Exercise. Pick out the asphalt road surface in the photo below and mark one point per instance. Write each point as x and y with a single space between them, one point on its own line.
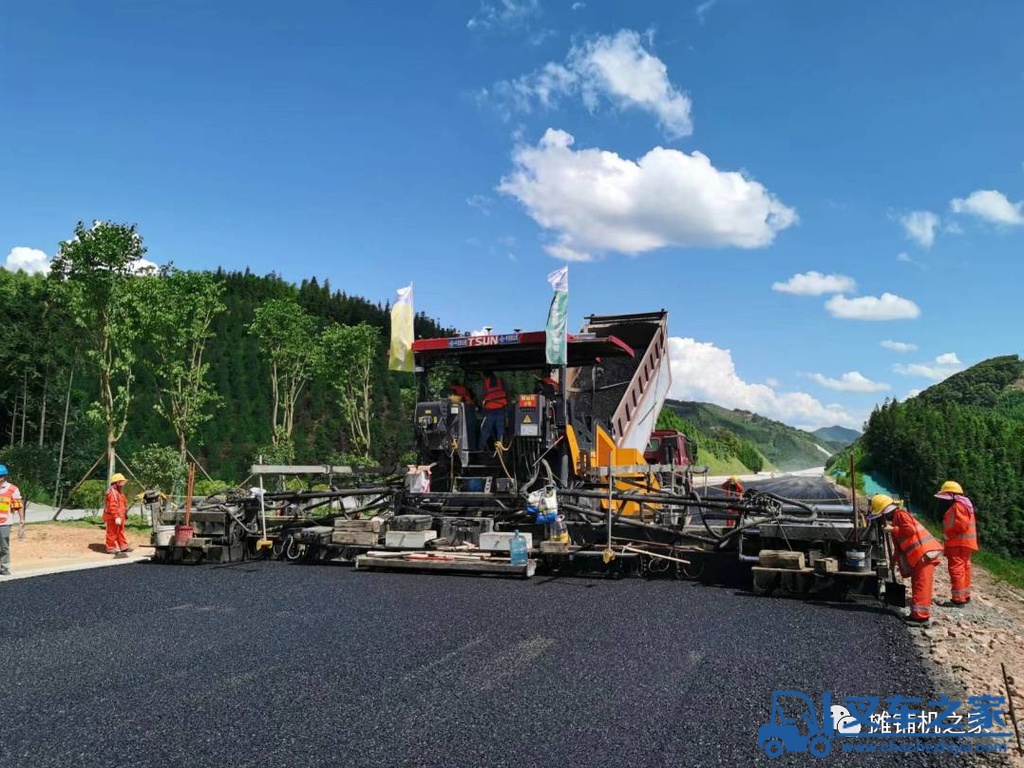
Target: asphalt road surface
813 488
274 664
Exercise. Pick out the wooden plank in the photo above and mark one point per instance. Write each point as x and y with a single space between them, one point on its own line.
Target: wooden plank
781 558
358 538
298 469
765 569
447 566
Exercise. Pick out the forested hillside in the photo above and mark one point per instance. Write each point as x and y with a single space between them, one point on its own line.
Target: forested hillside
787 448
968 428
46 371
721 451
836 438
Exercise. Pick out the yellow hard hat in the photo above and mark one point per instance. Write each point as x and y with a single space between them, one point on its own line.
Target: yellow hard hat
880 504
734 479
117 477
948 489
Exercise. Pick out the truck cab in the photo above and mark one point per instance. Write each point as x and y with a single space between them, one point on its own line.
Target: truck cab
667 446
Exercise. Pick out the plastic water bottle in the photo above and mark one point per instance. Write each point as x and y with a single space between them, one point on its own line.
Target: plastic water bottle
559 531
518 552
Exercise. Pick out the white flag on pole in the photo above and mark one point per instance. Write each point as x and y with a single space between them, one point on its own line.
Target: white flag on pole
557 338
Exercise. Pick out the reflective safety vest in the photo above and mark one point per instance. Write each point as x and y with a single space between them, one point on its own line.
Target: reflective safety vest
734 489
115 504
10 501
495 396
912 540
958 526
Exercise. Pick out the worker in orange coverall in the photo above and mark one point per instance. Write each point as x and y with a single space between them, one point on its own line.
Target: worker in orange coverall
734 488
917 553
960 534
115 514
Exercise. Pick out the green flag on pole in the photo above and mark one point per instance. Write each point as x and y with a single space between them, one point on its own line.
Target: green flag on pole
557 317
400 357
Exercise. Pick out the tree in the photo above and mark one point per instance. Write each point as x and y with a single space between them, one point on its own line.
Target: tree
180 308
286 332
93 269
348 356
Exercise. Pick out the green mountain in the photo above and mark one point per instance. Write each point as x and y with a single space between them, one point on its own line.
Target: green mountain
783 446
836 437
968 428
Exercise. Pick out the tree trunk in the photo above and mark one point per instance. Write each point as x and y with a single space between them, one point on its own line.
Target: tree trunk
111 455
42 413
63 434
14 420
24 405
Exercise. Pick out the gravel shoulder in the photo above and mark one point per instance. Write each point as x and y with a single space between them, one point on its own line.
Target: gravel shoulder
58 545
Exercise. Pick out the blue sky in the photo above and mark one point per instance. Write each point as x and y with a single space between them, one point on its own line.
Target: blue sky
825 197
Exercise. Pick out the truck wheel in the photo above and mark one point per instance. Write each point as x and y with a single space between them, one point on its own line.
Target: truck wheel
774 747
819 746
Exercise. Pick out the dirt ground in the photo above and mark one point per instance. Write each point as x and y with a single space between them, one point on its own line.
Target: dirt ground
968 645
54 545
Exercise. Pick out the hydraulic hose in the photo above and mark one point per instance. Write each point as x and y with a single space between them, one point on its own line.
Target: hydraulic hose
600 518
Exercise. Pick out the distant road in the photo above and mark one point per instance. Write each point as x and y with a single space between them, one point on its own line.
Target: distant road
43 513
805 484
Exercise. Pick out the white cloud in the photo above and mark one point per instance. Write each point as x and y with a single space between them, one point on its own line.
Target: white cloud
912 393
815 284
920 227
701 371
888 306
29 260
615 68
854 381
596 200
899 346
703 9
904 256
504 15
991 206
481 202
143 267
942 367
577 6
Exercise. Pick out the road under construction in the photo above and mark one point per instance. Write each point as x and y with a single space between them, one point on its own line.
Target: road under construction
569 478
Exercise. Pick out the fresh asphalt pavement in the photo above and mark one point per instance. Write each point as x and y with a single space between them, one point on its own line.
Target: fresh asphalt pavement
267 663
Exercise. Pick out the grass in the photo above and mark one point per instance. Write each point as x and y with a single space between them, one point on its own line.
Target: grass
1008 569
136 523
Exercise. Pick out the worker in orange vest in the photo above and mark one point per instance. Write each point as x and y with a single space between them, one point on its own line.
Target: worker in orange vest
10 507
495 403
734 488
960 534
917 553
115 514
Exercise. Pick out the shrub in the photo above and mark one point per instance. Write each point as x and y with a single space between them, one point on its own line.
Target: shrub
206 487
158 466
89 495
